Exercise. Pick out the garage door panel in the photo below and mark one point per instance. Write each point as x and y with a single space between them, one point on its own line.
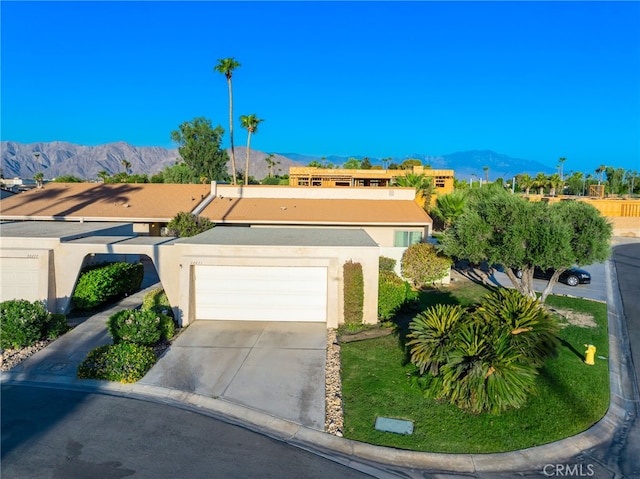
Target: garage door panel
255 293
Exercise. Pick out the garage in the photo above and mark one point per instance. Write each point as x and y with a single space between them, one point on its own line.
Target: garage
261 293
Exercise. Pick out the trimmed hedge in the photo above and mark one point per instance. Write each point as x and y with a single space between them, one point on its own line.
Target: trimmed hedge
101 284
23 323
386 264
353 293
392 293
123 362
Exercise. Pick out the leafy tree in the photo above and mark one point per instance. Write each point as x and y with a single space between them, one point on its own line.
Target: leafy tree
422 265
178 173
366 164
315 164
250 123
575 183
393 166
499 228
185 224
200 148
352 164
226 67
615 180
410 163
68 179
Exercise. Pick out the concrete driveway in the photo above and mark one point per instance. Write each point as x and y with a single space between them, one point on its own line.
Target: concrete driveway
275 367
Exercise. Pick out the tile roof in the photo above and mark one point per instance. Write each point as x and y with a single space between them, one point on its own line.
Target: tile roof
96 201
314 211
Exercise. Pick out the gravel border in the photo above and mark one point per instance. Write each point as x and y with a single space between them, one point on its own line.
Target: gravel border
334 420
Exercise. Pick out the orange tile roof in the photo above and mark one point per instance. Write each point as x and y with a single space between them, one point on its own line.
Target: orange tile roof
315 211
122 201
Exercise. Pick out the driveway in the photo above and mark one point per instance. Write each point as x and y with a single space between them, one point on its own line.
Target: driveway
275 367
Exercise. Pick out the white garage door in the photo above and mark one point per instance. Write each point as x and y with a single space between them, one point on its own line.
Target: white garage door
261 293
19 278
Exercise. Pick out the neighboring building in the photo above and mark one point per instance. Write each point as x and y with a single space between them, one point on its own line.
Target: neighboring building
327 177
266 236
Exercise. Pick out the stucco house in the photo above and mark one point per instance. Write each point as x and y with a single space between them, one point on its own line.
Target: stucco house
277 253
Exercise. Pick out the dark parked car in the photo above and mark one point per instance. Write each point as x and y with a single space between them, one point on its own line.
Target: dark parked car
571 276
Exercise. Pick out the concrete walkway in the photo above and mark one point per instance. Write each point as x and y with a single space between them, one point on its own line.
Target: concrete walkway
51 367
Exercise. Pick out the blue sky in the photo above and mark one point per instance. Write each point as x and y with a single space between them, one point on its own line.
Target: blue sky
534 80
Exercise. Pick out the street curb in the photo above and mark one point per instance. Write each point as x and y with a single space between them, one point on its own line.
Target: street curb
380 461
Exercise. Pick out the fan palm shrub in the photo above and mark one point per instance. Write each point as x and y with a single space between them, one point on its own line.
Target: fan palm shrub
433 334
533 330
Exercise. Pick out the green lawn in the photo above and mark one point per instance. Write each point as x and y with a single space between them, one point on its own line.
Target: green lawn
570 397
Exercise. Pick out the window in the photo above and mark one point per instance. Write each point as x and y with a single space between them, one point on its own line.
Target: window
407 238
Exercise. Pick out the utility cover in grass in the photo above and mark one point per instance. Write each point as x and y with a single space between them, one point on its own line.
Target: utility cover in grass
398 426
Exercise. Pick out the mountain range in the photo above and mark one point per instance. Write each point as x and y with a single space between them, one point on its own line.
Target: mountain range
59 158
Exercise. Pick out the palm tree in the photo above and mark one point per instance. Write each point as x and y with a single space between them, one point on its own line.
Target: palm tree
270 164
423 185
486 173
226 67
555 183
126 165
449 207
250 122
525 181
103 175
599 171
38 178
561 163
540 182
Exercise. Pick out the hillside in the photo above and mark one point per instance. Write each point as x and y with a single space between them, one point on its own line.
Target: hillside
61 158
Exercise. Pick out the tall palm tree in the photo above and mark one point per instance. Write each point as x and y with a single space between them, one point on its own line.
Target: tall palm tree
561 165
226 67
486 173
250 122
126 165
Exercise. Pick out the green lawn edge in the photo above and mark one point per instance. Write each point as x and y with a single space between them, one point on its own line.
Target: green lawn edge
570 395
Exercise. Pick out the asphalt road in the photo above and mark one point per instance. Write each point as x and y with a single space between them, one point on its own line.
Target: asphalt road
60 434
597 290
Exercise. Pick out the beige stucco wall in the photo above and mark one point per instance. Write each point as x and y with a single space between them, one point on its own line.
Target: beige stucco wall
333 258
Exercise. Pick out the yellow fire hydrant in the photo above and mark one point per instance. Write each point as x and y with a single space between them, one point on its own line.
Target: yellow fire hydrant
590 354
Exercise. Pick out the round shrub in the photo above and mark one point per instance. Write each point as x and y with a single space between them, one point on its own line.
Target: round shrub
391 294
22 323
422 265
56 325
123 362
139 326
